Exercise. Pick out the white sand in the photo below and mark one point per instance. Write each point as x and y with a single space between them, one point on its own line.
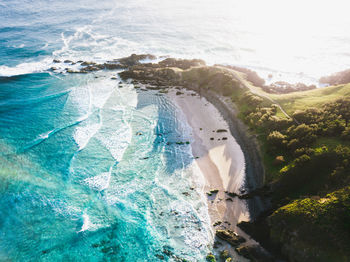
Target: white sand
220 161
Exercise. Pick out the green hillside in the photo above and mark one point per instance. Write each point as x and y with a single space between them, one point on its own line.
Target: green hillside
312 98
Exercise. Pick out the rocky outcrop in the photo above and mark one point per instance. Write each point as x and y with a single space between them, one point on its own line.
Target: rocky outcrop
121 63
282 87
134 59
339 78
230 237
254 253
152 75
181 63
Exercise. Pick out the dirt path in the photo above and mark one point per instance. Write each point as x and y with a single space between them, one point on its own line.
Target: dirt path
244 83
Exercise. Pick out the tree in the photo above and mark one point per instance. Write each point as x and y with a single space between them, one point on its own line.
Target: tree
276 139
340 107
303 132
346 134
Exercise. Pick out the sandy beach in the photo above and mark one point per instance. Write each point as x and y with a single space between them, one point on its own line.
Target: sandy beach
219 158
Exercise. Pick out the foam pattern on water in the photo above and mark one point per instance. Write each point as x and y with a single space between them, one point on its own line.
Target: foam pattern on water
97 175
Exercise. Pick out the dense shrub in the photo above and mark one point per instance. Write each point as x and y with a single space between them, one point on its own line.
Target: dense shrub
251 99
345 135
276 139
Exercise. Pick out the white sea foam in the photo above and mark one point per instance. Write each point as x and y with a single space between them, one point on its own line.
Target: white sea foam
26 68
118 139
99 182
83 134
88 224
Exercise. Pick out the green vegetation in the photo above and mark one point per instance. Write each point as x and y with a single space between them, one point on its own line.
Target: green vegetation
210 258
319 225
306 157
313 98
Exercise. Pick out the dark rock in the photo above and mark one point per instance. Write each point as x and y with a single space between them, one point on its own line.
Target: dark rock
224 138
212 138
214 191
339 78
263 191
71 71
91 68
230 237
221 130
254 253
56 61
282 87
217 223
68 61
181 63
88 63
113 66
153 87
179 93
160 257
135 59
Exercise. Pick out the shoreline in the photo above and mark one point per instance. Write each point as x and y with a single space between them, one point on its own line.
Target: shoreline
255 173
223 163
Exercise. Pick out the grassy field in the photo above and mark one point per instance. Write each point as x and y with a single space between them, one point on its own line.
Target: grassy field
312 98
298 100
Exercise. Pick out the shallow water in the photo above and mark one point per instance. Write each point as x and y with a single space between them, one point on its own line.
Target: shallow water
86 173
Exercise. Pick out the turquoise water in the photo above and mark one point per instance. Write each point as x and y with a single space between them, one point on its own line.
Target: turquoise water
86 171
87 175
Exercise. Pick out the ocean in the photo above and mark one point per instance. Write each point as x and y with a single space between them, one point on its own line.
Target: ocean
87 172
